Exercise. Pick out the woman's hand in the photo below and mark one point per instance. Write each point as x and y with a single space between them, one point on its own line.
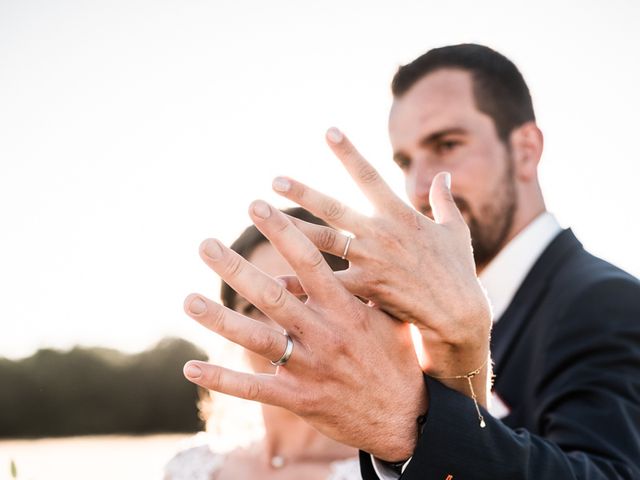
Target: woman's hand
352 373
419 270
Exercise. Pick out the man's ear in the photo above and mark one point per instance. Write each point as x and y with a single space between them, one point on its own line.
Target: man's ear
526 147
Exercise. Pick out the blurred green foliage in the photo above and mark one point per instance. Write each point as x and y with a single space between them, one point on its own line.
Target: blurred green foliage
99 391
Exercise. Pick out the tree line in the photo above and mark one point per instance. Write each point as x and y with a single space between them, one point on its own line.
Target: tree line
99 391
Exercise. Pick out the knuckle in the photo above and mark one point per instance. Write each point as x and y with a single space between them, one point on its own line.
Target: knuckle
368 174
282 226
326 239
382 289
358 317
334 339
217 320
411 217
213 378
267 344
253 391
298 191
389 239
338 344
233 266
313 259
273 295
333 210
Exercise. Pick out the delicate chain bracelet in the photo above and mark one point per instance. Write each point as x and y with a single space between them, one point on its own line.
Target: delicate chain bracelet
469 376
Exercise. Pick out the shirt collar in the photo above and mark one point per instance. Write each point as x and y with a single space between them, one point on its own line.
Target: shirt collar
504 274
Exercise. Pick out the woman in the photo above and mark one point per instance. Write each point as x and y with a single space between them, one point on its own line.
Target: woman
290 448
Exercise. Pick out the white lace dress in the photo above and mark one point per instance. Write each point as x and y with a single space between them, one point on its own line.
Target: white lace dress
201 463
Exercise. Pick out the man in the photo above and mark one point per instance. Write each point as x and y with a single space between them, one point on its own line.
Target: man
566 321
567 339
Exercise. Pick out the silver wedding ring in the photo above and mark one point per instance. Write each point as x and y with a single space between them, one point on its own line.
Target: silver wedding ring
346 247
287 352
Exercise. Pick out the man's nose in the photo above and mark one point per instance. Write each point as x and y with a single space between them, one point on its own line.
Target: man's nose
419 184
423 185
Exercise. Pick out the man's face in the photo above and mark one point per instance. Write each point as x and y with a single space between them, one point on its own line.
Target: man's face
435 127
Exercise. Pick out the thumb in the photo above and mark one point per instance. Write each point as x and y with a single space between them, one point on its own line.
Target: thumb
441 200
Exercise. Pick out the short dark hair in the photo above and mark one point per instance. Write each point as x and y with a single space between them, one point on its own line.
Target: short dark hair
499 88
249 240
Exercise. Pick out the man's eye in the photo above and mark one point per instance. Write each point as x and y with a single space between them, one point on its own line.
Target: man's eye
446 146
402 161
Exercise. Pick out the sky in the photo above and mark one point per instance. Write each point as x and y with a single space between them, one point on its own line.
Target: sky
131 130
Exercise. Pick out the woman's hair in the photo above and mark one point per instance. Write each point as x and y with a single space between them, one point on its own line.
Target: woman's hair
251 238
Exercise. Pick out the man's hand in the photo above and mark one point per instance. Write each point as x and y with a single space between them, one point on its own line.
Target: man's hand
353 372
419 270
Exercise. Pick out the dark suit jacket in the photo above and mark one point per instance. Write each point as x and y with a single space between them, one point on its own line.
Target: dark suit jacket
567 355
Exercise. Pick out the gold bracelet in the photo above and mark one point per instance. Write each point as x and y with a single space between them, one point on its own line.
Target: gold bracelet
469 376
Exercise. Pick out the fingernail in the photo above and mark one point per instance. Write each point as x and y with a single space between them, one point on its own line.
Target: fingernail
281 184
197 306
212 249
261 209
192 371
447 180
334 135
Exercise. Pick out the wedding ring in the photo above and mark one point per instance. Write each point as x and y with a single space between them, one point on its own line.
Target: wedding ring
346 247
287 352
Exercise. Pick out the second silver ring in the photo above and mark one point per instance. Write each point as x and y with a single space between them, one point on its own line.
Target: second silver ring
346 247
287 352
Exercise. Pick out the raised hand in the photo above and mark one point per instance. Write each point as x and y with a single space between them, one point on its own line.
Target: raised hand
419 270
352 373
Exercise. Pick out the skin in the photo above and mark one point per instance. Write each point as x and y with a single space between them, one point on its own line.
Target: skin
308 453
412 269
265 258
337 354
436 126
399 258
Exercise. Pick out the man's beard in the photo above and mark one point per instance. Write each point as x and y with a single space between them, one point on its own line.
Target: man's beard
489 230
491 226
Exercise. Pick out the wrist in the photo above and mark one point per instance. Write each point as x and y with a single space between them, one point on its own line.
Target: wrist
397 438
475 384
396 458
447 360
467 322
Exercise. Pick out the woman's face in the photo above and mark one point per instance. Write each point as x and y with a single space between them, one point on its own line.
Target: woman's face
267 259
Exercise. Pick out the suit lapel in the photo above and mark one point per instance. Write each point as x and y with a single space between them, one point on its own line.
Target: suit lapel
528 296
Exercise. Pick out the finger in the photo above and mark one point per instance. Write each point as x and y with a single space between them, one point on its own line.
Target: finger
306 260
261 388
349 281
258 288
328 240
329 209
292 284
247 332
441 200
366 177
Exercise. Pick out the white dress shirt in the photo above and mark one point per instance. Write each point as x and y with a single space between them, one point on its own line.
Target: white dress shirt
506 272
501 280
